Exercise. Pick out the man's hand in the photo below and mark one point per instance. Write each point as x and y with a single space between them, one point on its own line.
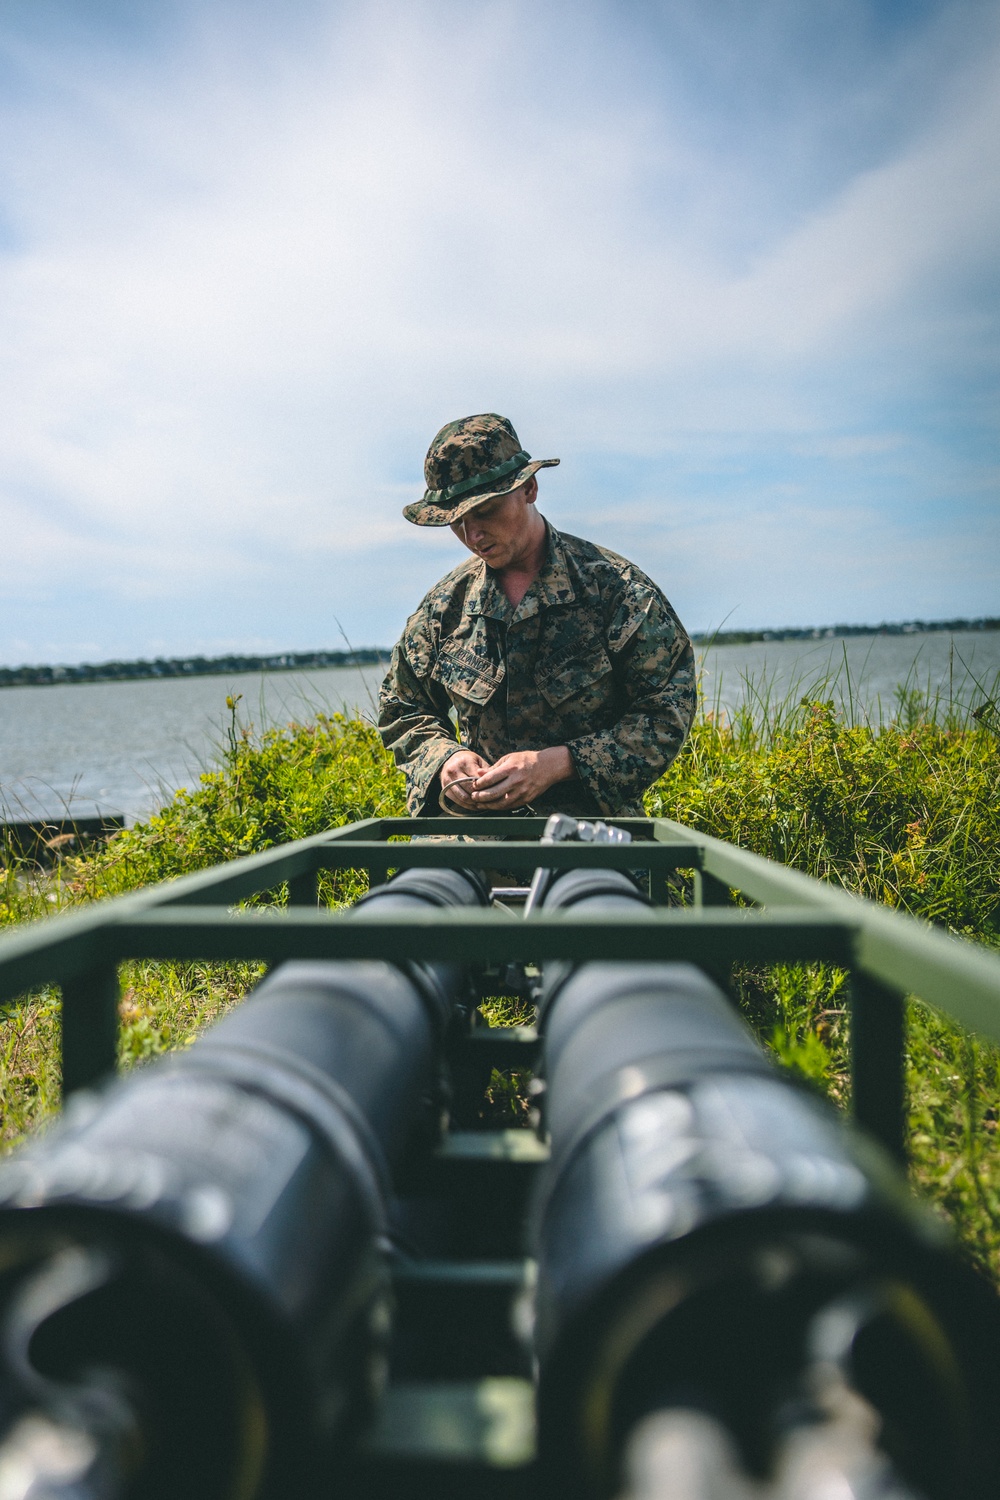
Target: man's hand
458 776
520 777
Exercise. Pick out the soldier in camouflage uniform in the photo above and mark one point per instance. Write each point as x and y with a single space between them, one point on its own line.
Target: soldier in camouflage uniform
542 671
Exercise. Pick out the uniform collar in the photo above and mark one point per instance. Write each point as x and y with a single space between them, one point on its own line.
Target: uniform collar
485 596
552 586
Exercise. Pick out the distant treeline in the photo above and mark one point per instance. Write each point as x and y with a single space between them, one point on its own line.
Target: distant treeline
290 661
833 632
189 666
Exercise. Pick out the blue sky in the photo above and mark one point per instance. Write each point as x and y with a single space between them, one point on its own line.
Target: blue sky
736 265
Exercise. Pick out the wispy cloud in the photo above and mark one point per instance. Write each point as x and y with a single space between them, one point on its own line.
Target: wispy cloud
730 264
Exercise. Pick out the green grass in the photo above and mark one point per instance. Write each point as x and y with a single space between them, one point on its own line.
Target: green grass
904 810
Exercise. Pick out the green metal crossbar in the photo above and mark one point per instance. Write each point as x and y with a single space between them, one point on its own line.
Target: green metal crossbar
792 918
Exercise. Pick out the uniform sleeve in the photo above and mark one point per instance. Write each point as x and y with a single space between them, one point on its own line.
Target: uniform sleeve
654 662
413 717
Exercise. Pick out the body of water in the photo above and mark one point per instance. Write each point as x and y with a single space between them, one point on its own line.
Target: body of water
124 747
863 673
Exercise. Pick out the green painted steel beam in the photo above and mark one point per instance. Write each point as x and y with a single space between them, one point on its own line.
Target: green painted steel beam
734 935
476 827
957 977
53 951
762 880
241 878
57 949
519 856
509 826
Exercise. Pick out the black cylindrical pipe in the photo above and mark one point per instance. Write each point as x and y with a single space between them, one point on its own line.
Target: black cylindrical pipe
193 1298
703 1219
604 892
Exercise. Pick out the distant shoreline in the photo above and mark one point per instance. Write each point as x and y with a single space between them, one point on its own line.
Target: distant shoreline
373 656
837 632
188 666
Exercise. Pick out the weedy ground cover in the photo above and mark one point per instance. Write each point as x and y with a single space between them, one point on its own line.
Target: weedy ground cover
904 810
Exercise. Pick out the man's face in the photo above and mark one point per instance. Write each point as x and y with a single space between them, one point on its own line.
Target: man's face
503 531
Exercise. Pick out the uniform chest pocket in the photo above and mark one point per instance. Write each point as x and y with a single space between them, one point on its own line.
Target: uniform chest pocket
583 672
466 676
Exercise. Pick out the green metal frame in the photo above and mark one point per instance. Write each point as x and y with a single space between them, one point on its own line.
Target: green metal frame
463 1426
792 918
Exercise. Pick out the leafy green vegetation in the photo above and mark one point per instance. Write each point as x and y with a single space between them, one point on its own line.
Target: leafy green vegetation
905 811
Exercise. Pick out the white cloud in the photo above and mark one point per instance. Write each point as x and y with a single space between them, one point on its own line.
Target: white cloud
249 285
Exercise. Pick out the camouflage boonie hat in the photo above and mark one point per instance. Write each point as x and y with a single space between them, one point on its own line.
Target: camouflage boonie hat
469 462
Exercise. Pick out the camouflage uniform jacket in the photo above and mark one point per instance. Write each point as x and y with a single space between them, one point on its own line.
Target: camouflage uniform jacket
593 657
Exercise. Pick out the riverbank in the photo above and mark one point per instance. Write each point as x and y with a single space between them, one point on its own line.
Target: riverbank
905 811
